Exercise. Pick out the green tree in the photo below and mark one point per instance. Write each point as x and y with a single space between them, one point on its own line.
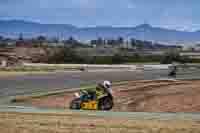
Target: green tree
1 38
120 40
64 55
41 40
117 59
133 42
171 57
100 41
21 38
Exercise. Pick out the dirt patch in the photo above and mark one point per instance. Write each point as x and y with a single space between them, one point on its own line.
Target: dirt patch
152 96
174 103
58 101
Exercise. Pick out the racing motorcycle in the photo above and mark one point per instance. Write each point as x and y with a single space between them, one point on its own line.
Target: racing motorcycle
86 101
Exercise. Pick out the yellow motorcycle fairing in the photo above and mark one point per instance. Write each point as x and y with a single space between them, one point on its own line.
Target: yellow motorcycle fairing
91 105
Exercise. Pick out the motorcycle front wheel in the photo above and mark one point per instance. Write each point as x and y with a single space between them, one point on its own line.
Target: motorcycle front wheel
75 104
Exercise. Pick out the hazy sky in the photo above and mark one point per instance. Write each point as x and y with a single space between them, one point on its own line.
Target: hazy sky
173 14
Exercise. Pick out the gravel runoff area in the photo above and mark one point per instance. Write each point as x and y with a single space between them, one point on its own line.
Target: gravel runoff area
11 122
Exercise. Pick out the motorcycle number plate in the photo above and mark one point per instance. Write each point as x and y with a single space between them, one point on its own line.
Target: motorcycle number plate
89 105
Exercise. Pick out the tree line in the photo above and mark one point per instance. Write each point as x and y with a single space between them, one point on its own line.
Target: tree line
69 55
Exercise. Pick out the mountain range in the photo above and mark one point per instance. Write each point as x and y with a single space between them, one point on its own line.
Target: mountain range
12 28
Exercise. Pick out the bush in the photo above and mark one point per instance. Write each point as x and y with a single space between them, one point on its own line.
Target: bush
68 55
175 57
64 55
170 57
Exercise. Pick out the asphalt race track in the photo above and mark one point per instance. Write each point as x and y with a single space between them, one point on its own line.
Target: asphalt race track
27 84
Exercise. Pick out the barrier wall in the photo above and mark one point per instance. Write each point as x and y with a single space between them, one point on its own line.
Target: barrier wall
146 67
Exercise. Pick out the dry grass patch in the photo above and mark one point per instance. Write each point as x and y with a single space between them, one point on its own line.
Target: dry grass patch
52 123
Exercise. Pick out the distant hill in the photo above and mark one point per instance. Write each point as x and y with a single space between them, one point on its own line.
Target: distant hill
12 28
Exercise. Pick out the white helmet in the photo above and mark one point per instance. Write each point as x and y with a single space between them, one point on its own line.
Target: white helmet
107 84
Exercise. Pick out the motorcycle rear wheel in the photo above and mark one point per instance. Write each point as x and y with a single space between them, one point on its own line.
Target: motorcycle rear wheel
106 103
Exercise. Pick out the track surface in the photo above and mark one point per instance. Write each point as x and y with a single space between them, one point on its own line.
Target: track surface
27 84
